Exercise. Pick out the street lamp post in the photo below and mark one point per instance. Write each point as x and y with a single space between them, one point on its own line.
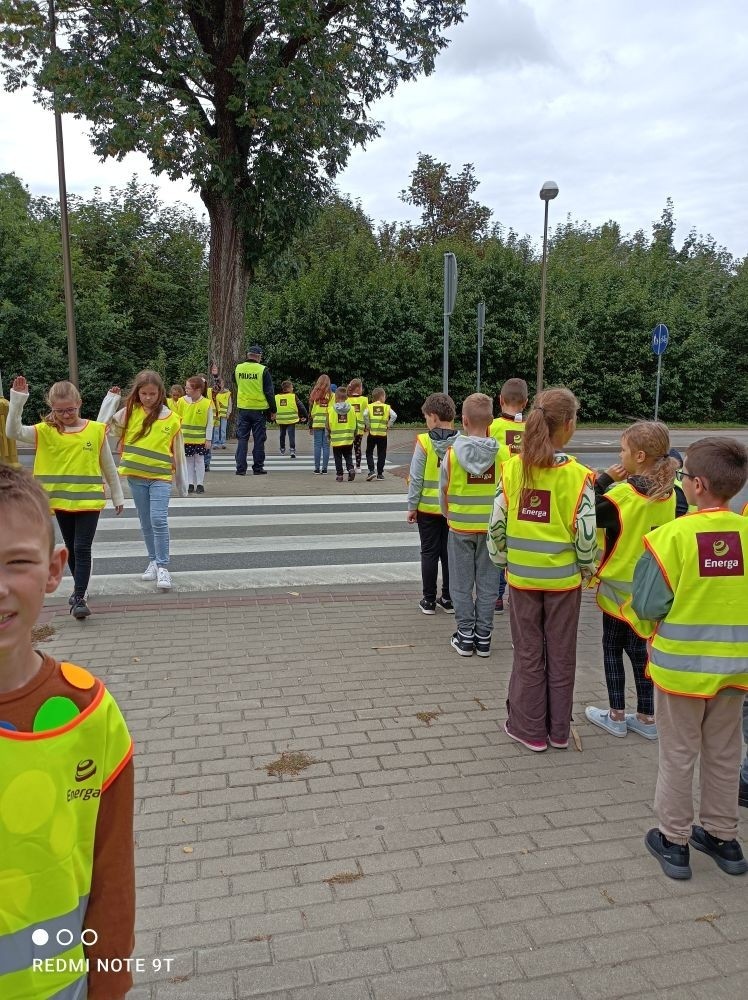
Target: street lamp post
67 270
547 193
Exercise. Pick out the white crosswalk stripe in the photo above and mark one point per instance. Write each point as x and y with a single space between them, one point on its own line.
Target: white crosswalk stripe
248 542
224 462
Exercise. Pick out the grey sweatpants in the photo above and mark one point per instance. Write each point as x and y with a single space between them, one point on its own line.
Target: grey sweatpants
473 581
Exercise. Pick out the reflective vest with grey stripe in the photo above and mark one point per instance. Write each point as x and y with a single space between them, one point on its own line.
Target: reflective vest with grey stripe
470 496
701 646
149 456
541 524
430 502
637 515
52 783
68 466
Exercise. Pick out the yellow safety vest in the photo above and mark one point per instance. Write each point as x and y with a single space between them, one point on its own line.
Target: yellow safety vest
470 497
701 646
52 782
250 396
379 418
150 456
343 426
637 515
195 420
173 404
508 433
68 466
286 408
541 525
745 510
319 414
359 404
222 402
429 502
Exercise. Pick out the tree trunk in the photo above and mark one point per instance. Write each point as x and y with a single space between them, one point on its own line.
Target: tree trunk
230 276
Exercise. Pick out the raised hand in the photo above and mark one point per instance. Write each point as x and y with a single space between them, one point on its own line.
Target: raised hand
115 390
20 384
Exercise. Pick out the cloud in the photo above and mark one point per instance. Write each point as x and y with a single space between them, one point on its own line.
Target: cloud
497 35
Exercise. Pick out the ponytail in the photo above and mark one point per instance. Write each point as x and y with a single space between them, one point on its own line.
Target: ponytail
551 410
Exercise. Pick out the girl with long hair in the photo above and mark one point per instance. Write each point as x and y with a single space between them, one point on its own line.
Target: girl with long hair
631 498
543 531
197 413
72 457
152 456
319 400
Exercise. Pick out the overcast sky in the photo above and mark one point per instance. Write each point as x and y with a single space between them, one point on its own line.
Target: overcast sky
621 102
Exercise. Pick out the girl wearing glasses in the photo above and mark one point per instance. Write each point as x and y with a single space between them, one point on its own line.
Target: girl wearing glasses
72 457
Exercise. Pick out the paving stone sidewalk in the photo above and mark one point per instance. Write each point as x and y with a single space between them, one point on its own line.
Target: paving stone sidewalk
411 859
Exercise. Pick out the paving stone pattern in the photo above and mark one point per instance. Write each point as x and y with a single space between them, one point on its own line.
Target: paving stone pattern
484 871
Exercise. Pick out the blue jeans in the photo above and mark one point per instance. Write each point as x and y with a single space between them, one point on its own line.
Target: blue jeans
219 432
250 422
289 429
321 449
151 498
502 583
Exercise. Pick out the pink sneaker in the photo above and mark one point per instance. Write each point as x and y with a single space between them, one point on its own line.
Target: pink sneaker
537 746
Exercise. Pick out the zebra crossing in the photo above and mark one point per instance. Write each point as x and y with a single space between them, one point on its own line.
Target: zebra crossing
240 543
223 461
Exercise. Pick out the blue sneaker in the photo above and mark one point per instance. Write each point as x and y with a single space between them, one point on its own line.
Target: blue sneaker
635 725
600 717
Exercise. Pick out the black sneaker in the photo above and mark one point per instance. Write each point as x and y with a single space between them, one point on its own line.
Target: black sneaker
445 604
483 644
380 476
190 488
674 858
293 454
200 489
743 794
462 643
241 473
71 600
259 472
428 607
317 472
727 853
324 472
499 606
80 609
371 475
351 475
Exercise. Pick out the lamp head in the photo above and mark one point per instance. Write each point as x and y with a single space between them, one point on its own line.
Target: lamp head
549 191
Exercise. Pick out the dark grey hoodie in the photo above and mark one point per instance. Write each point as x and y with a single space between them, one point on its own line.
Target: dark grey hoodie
441 438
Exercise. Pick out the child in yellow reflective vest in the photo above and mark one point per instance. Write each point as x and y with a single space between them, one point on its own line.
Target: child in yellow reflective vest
197 413
66 786
152 460
631 498
319 402
175 394
424 504
359 402
343 423
543 530
467 483
222 403
508 429
289 411
72 458
378 417
692 581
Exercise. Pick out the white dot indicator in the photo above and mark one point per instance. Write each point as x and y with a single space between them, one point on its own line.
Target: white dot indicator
40 937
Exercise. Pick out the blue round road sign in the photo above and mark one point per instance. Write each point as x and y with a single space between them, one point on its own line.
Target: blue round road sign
660 336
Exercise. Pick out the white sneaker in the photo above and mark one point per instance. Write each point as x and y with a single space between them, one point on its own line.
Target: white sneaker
150 572
163 579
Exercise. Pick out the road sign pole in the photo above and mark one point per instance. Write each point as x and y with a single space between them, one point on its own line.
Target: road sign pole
657 390
450 293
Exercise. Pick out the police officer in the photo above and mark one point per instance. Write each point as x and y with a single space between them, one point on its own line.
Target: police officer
255 396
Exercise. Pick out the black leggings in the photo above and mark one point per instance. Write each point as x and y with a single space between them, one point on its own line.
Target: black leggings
78 530
619 637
